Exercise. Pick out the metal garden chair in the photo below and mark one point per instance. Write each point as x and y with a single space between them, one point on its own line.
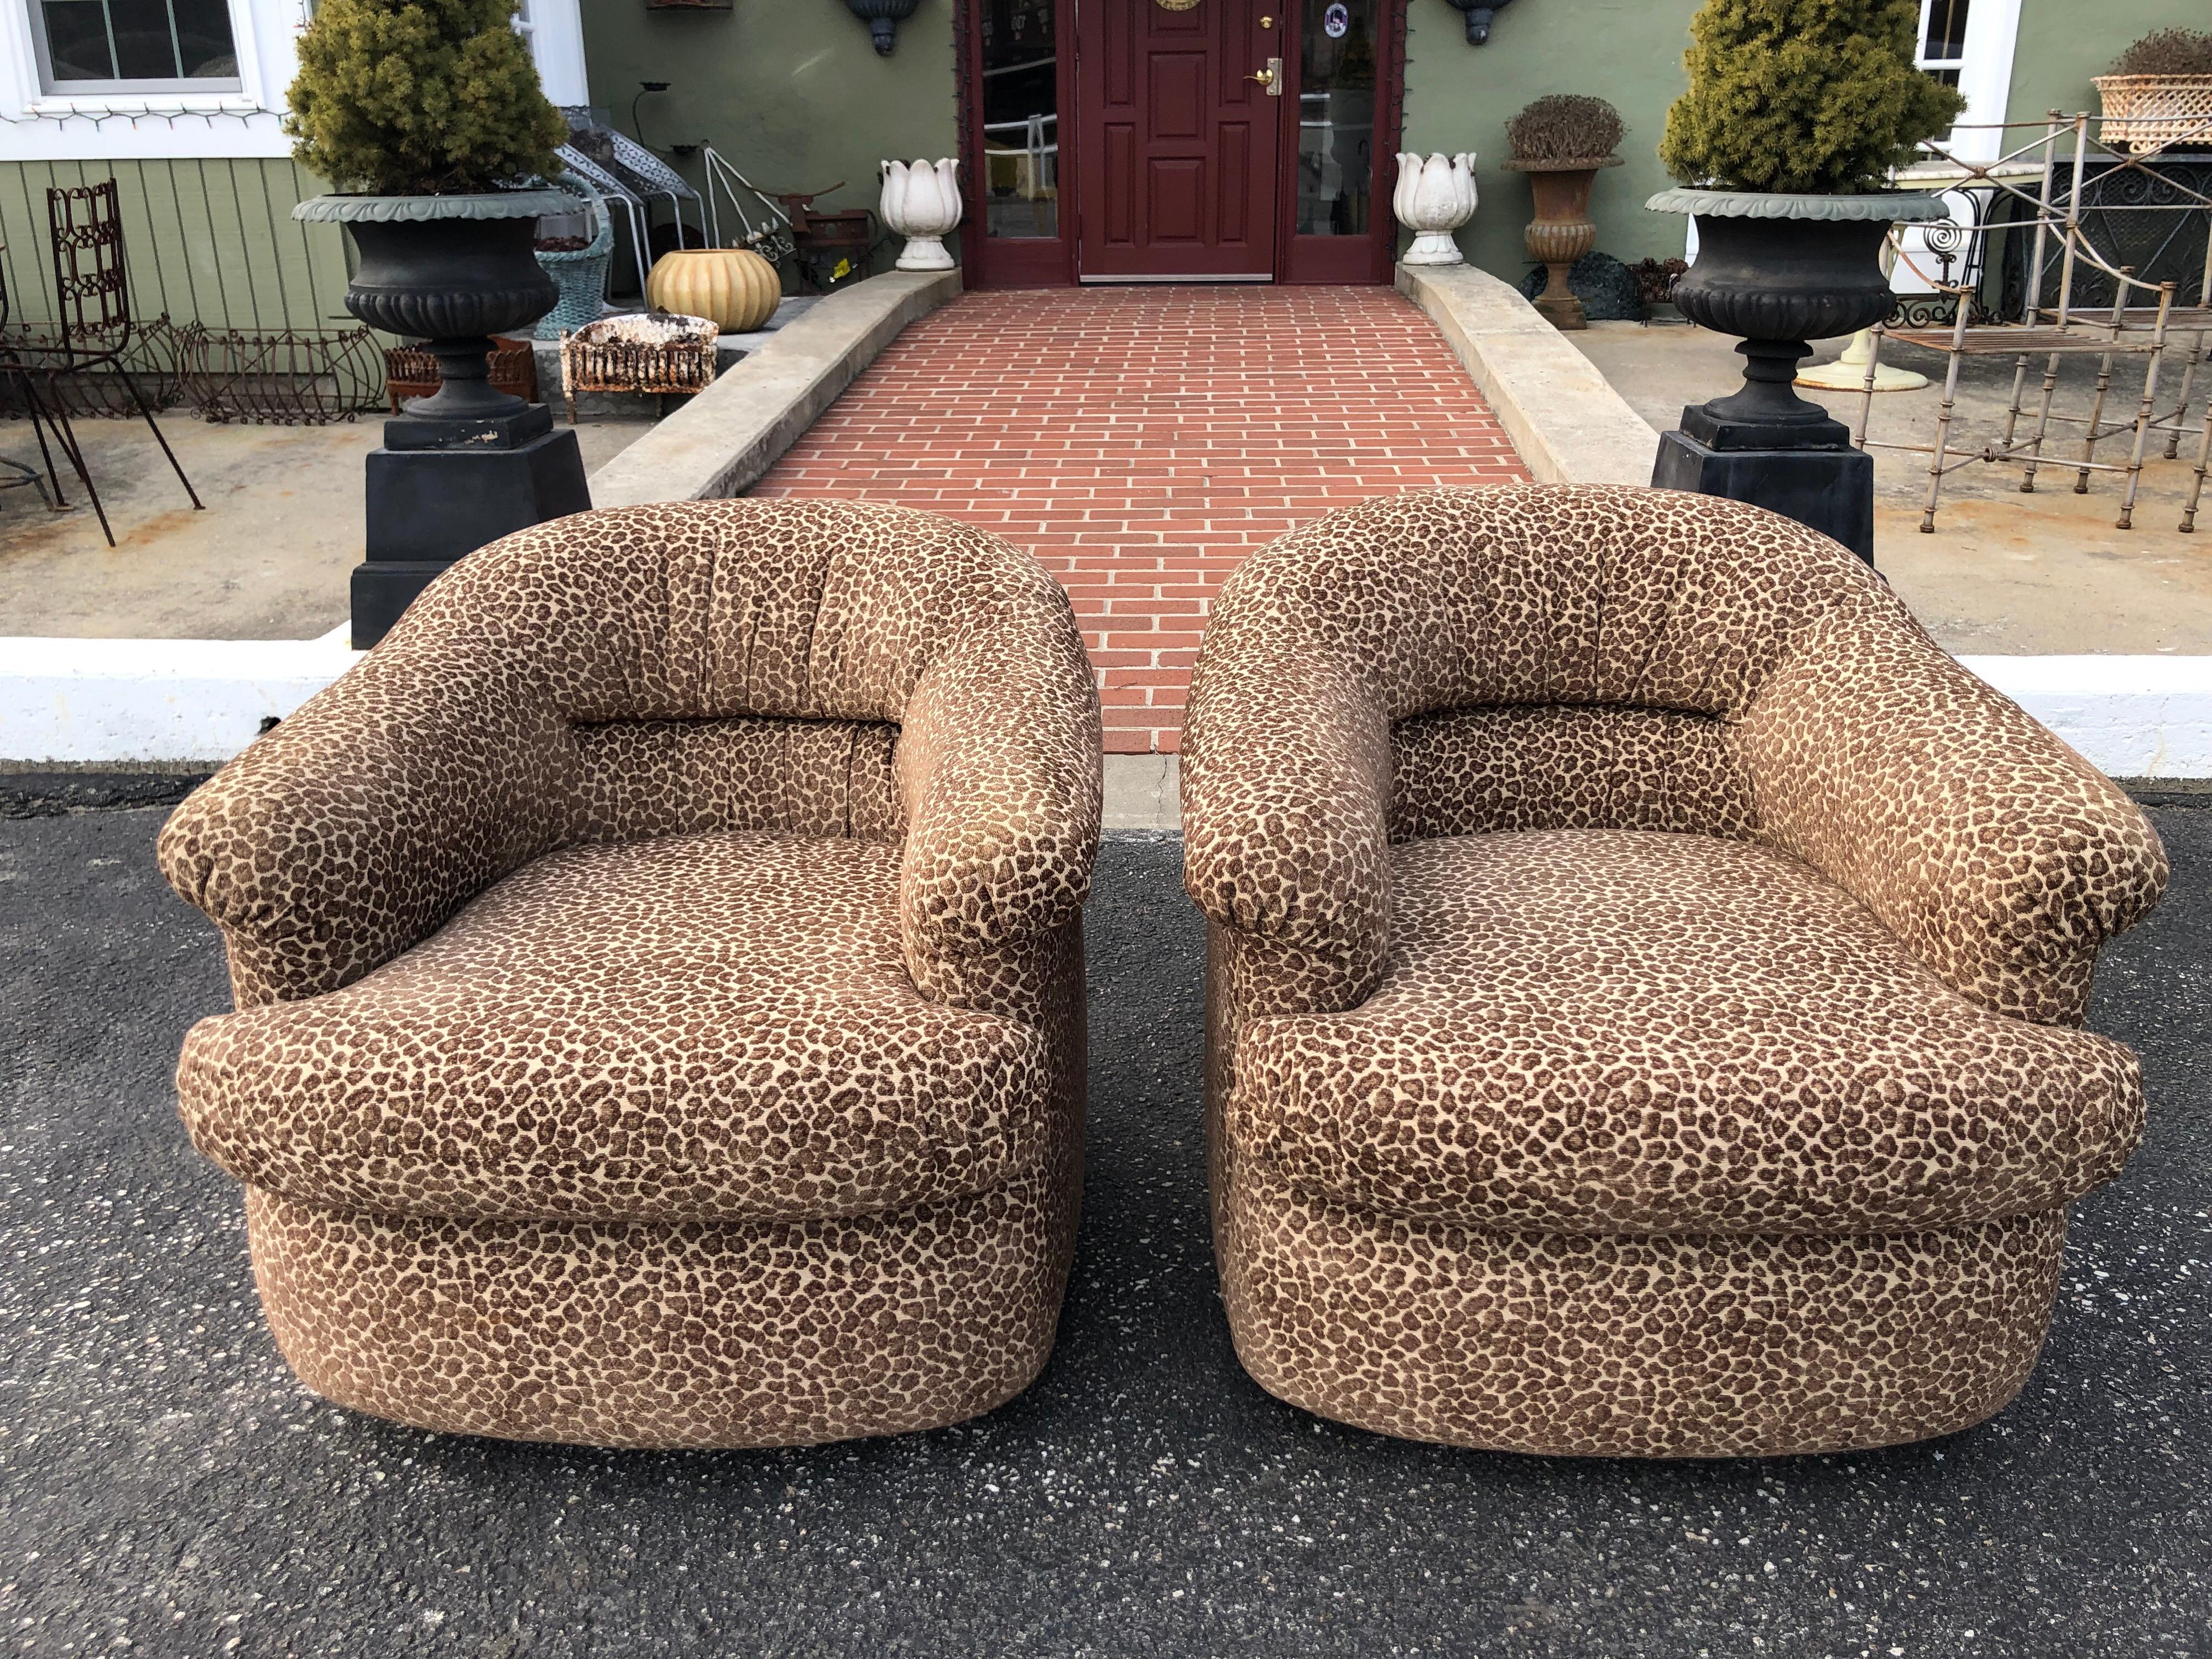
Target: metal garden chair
91 304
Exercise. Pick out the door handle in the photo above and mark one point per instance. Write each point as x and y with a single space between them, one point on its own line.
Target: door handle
1270 77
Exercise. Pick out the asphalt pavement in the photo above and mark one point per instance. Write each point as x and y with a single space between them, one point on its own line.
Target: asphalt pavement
167 1488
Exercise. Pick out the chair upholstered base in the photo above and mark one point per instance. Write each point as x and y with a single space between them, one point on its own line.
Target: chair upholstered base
1617 1347
750 1334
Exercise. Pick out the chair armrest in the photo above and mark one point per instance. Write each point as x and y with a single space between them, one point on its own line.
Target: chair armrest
1285 823
360 824
1993 850
1000 778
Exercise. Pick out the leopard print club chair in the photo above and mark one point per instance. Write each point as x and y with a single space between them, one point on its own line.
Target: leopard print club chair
660 983
1645 982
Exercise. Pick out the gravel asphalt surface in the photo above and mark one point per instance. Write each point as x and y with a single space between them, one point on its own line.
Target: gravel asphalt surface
165 1487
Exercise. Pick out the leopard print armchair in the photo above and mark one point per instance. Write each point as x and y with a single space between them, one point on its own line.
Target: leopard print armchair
1645 982
659 985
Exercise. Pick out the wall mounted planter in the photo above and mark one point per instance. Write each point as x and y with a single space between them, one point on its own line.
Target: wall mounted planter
1479 15
882 18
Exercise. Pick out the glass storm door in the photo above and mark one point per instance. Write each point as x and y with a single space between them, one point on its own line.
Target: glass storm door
1337 74
1019 46
1181 124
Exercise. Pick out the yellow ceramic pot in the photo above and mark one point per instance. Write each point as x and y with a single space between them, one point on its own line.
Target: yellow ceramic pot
733 287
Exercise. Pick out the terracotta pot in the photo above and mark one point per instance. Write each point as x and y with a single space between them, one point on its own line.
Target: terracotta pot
1562 231
732 286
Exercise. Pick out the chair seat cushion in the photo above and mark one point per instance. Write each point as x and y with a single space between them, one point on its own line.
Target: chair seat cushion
703 1028
1620 1031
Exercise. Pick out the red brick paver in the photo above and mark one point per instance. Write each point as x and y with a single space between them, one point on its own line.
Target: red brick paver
1141 441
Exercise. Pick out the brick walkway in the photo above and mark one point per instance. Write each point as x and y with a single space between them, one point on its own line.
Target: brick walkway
1141 441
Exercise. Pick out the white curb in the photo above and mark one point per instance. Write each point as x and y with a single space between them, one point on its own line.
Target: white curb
2130 717
186 703
191 704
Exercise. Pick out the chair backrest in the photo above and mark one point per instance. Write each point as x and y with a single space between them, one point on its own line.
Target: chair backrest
92 298
1551 656
738 665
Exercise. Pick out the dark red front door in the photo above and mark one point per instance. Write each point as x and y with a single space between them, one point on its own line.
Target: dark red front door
1177 167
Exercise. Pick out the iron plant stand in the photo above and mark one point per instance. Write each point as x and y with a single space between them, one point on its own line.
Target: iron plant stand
469 464
1778 270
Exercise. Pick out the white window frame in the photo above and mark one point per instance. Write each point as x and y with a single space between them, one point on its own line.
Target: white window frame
1985 81
1984 72
37 125
35 9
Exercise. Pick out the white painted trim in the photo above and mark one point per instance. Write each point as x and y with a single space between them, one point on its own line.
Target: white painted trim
186 703
35 126
1993 32
193 703
555 29
2130 717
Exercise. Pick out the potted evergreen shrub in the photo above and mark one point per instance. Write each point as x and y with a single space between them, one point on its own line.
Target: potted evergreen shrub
428 117
1560 142
2159 91
1796 113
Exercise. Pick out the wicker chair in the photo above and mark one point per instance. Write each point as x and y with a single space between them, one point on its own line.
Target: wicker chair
1643 983
660 983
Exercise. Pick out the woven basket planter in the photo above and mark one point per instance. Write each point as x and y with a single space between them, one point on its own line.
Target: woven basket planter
2142 111
411 372
582 273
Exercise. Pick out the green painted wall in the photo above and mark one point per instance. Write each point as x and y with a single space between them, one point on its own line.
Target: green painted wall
790 92
2057 53
1459 97
206 242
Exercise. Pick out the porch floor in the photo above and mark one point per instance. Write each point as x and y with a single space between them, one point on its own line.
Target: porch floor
1141 441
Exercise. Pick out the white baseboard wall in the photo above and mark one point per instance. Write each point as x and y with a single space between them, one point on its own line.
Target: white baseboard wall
188 705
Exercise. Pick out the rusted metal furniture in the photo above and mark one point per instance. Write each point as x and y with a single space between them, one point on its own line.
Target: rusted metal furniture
15 474
832 244
663 353
2139 323
411 372
91 304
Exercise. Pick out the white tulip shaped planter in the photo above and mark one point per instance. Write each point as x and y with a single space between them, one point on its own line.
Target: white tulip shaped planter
1434 198
921 202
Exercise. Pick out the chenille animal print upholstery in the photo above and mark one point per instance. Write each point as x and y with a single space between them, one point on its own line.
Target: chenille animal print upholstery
1644 984
660 983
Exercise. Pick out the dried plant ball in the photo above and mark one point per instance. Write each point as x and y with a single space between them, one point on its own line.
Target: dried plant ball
2168 52
1564 127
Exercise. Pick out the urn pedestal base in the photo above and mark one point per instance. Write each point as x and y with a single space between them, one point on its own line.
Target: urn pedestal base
1829 489
440 489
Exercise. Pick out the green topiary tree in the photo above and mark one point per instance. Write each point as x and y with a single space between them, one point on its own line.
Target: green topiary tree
420 98
1810 96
